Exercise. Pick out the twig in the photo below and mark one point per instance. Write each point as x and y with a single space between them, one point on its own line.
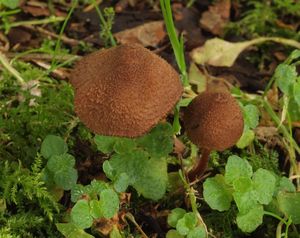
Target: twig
63 38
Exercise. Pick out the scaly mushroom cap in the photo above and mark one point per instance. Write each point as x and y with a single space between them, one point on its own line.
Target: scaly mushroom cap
213 120
124 91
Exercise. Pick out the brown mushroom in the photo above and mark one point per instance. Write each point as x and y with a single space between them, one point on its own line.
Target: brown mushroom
213 121
124 91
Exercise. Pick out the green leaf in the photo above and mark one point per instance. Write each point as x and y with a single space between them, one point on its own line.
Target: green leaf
294 109
244 196
251 116
175 215
80 214
286 185
95 209
216 193
70 230
197 232
78 190
115 233
108 169
285 76
297 92
124 145
289 204
246 138
159 142
264 184
10 3
66 179
235 168
58 162
109 203
105 144
121 182
249 221
61 166
53 145
148 176
186 223
173 234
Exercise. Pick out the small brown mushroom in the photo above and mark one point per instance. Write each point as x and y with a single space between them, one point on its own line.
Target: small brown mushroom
213 121
124 91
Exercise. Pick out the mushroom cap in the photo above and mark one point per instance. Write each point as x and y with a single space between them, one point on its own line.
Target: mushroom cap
214 120
124 91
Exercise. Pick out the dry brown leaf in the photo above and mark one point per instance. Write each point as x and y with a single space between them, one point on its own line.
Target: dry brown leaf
218 52
148 34
217 16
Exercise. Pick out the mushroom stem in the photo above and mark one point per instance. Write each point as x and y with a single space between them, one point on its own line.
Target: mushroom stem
201 165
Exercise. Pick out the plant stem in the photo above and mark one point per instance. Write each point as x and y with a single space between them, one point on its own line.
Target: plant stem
15 73
130 217
57 45
104 24
36 22
201 165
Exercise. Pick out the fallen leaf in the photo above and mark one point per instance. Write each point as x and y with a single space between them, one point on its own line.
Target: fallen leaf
148 34
217 16
198 78
36 11
218 52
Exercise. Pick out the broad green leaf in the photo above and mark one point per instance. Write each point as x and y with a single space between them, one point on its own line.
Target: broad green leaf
197 232
289 204
61 166
96 187
80 214
244 196
297 92
58 162
108 170
175 215
148 176
173 234
264 184
78 190
66 179
249 221
121 182
285 76
286 185
70 230
159 142
53 145
217 193
105 144
251 116
109 203
186 223
124 145
95 209
10 3
235 168
246 138
294 109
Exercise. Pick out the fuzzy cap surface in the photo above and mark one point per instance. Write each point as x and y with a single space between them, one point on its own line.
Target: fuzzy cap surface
214 120
124 91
